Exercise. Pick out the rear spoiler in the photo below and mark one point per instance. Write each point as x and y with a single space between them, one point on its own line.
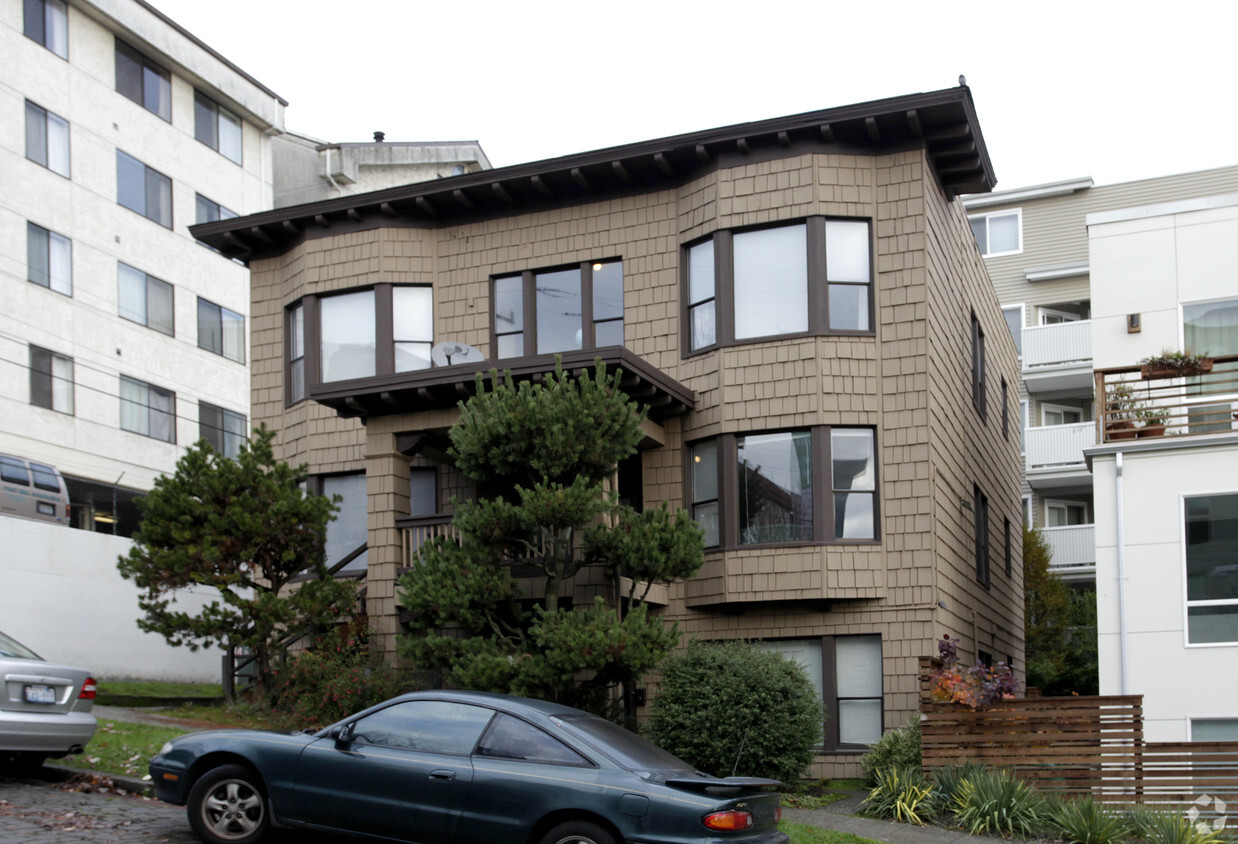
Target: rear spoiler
705 783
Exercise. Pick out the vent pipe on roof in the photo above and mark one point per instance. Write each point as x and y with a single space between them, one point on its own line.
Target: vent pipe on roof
379 136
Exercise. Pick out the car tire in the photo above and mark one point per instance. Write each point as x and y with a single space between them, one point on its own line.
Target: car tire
227 805
578 832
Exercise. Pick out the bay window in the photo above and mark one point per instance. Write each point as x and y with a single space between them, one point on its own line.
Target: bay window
807 277
558 310
806 486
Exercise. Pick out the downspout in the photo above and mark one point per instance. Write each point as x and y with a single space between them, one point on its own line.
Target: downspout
1122 644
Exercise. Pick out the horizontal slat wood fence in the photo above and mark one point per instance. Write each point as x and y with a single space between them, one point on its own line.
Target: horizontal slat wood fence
1076 746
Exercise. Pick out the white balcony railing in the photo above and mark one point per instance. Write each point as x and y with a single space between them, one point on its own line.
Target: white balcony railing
1058 445
1064 343
1073 547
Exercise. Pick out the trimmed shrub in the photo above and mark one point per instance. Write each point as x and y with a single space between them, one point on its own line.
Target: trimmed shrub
901 794
1087 821
996 803
332 681
898 748
733 706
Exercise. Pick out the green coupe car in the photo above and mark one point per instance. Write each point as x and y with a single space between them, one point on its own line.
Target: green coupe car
451 767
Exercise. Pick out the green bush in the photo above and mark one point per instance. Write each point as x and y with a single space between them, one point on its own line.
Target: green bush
335 679
1087 821
946 781
899 748
1162 827
732 706
996 803
901 794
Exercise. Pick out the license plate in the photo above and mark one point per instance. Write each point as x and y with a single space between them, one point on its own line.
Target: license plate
40 694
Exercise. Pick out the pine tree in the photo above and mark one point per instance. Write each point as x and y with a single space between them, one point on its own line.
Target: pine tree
245 528
541 453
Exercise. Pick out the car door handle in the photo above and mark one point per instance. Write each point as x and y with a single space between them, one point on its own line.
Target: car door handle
445 776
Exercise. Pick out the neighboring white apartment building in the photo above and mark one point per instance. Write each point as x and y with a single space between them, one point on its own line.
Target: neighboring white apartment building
122 339
1165 276
1035 243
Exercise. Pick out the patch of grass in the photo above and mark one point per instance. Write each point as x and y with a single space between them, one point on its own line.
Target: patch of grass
801 834
206 716
157 689
121 748
809 800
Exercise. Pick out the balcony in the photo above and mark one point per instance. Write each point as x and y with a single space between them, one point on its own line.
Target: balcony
1053 455
1143 403
1058 358
1074 551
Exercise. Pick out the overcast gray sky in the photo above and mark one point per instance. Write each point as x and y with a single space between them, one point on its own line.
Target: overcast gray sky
1116 91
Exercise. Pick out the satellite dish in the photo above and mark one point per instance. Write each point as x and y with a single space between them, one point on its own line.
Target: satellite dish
449 353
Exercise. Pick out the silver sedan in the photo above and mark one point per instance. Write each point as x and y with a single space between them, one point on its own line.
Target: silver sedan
44 707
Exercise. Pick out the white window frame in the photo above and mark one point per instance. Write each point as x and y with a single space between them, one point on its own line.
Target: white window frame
1064 408
1007 212
1022 323
1057 502
1025 415
1186 602
1066 316
1028 515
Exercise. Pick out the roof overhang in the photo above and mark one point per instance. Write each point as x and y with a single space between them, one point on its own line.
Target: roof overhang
442 387
943 123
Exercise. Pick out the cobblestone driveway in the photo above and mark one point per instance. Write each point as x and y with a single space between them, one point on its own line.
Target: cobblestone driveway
38 810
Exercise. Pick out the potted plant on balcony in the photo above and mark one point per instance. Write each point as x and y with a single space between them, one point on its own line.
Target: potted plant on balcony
1169 364
1153 422
1121 410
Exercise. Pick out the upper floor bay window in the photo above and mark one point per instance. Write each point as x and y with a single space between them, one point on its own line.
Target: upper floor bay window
143 81
294 332
47 22
1211 553
547 311
801 278
805 486
998 233
216 127
47 139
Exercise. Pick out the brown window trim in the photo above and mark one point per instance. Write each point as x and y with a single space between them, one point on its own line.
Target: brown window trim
724 287
588 335
822 488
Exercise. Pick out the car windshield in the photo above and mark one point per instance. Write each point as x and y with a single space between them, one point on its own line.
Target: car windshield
626 748
13 648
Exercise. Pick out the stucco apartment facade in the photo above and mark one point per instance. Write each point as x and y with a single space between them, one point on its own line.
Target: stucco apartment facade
1167 498
1036 247
799 302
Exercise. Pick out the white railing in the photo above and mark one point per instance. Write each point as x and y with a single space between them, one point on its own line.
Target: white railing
1048 345
1073 547
1058 445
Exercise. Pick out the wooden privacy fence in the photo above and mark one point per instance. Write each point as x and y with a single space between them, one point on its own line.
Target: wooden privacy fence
1079 745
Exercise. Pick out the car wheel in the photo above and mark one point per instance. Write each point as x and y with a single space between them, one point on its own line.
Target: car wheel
227 806
578 832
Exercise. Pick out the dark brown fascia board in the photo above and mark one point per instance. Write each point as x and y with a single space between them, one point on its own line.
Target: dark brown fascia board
442 387
943 122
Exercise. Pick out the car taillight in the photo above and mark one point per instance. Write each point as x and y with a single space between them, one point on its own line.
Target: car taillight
88 689
728 821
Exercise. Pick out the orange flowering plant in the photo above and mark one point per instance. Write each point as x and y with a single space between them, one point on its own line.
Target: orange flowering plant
979 685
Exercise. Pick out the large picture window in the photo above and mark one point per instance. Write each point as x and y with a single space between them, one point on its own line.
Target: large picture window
47 139
143 189
49 259
143 81
559 310
147 410
806 277
1211 551
348 337
805 486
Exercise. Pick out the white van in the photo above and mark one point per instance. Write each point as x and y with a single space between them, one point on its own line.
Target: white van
32 490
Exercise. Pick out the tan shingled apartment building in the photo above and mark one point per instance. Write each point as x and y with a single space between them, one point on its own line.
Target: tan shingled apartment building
801 303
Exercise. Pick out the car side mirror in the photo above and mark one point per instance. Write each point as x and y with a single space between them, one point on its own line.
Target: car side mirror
344 733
